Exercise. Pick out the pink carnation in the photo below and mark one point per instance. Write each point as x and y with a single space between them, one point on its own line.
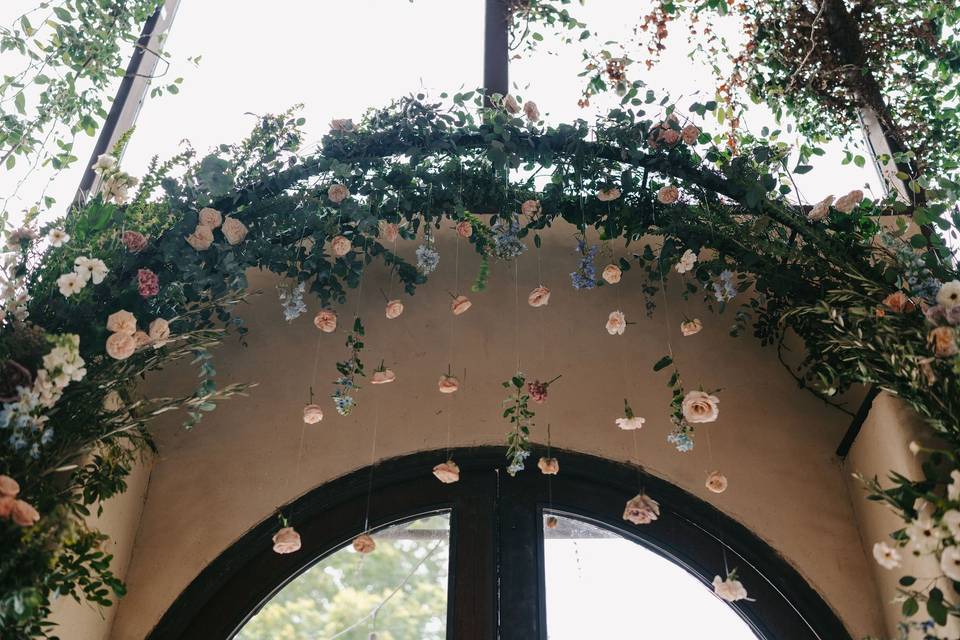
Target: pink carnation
148 284
134 242
537 391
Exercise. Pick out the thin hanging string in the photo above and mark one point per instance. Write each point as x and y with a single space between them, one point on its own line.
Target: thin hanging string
453 328
663 291
373 462
516 309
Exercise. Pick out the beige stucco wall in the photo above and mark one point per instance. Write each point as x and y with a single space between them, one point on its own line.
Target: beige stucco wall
774 442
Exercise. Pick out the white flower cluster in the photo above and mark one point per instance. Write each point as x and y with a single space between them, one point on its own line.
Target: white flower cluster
84 270
13 290
61 366
116 184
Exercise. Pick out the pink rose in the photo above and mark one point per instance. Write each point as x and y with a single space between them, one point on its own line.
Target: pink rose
531 111
464 229
364 544
531 208
210 217
616 323
340 246
148 284
689 134
24 514
383 377
159 331
6 506
201 238
849 202
539 297
312 414
608 195
122 322
338 193
552 522
700 406
669 137
326 321
286 541
133 241
9 487
447 472
549 466
612 274
234 231
391 232
691 327
511 105
820 210
448 384
641 509
460 305
121 346
716 482
668 194
394 309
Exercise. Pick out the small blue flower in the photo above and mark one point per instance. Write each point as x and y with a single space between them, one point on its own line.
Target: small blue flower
725 290
682 438
291 301
427 257
585 277
506 239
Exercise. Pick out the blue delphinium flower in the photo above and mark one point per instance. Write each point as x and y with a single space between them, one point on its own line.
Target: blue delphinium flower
585 277
725 290
507 244
343 402
427 257
291 301
681 437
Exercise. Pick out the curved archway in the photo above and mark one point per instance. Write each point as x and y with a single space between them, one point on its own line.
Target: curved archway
497 550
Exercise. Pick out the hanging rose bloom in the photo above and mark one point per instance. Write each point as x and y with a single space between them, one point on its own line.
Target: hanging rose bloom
548 466
608 195
338 193
326 321
689 134
287 540
201 238
552 522
668 194
148 284
531 208
234 231
612 274
511 105
312 414
58 237
460 305
820 210
364 544
448 384
691 327
210 217
122 322
159 332
391 232
849 202
616 323
641 509
23 514
730 590
531 111
899 302
340 246
447 472
141 339
134 242
630 423
9 487
383 377
539 297
341 125
394 309
949 295
886 556
537 391
687 261
121 346
943 341
700 406
464 229
716 482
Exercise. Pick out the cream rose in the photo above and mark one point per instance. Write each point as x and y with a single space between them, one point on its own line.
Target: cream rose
668 194
548 466
616 323
531 111
448 384
210 217
341 125
687 261
364 544
141 339
460 305
23 514
338 193
716 482
312 414
641 509
847 203
730 590
121 346
9 487
700 406
394 309
612 274
531 208
691 327
391 232
464 229
201 238
820 210
122 322
6 506
447 472
608 195
689 134
287 540
539 297
511 105
340 246
326 321
234 231
383 377
630 424
159 331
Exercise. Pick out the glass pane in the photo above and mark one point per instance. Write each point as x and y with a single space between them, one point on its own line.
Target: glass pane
602 585
398 592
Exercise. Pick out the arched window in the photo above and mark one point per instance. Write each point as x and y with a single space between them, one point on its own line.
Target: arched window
482 558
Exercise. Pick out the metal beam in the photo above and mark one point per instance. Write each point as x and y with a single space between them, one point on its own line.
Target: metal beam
496 54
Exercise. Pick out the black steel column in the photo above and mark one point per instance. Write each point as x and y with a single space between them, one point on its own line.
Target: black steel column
496 48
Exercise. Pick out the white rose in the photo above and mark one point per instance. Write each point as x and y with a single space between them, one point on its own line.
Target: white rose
616 323
104 162
700 406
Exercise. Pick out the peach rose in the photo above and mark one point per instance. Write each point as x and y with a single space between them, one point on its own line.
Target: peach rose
612 274
24 514
447 472
531 208
531 111
668 194
341 125
383 377
122 322
201 238
121 346
210 217
608 195
539 297
552 522
340 246
141 339
716 482
511 105
286 541
9 487
448 384
943 341
464 229
391 232
326 321
364 544
700 406
234 231
616 323
394 309
691 327
6 506
460 305
159 331
548 466
849 202
820 210
899 301
338 193
641 509
669 137
312 414
690 133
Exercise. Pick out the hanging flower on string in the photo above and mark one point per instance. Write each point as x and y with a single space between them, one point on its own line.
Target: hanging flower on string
447 472
517 412
364 544
539 297
691 327
616 323
394 309
507 244
641 509
716 482
382 375
326 320
427 256
291 300
630 421
548 466
538 390
349 369
730 589
286 540
585 276
725 289
460 304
